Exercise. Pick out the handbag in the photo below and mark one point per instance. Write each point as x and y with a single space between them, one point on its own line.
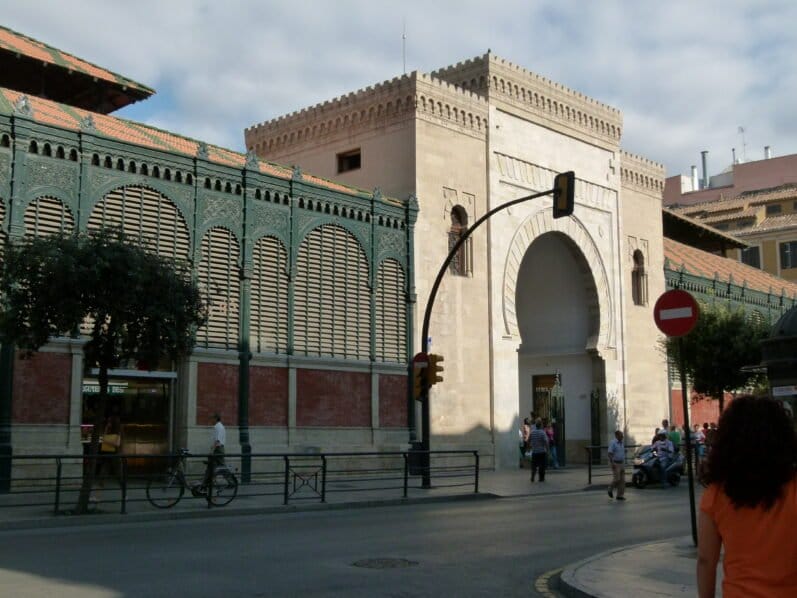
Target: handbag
110 443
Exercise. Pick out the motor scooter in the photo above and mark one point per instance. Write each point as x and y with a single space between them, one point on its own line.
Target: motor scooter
647 470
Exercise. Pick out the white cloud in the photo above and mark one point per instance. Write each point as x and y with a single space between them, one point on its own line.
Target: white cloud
685 74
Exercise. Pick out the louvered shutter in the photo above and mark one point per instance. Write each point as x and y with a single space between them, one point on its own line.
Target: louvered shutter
332 299
391 312
47 216
218 281
146 217
269 297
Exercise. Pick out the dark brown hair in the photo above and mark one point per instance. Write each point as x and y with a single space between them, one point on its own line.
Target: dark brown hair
754 452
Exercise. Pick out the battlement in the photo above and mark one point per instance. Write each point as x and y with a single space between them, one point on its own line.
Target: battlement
641 172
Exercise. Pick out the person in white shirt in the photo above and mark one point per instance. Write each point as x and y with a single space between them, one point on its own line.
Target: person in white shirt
664 452
218 440
617 462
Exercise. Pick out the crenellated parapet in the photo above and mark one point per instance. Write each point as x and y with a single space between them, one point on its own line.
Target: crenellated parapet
518 89
641 174
387 103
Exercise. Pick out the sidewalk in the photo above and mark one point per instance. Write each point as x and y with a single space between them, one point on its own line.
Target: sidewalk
654 569
36 510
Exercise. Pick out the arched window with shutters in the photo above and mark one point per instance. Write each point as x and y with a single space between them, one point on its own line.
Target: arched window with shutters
146 217
639 280
332 307
269 297
217 275
462 264
391 313
48 216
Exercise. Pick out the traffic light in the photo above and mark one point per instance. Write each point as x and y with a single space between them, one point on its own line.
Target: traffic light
434 370
564 191
418 381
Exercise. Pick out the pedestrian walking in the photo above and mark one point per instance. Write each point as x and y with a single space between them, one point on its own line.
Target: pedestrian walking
617 462
749 509
539 450
553 459
218 440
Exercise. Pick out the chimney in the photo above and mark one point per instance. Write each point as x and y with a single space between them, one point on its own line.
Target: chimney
767 152
694 178
733 153
704 156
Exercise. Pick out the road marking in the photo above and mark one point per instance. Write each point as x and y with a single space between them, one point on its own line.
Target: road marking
541 586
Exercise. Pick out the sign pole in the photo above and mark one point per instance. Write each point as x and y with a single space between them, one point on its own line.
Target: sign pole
676 312
688 436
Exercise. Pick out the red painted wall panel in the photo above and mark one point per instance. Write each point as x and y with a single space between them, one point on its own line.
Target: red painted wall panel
217 392
701 409
392 401
268 396
41 389
334 399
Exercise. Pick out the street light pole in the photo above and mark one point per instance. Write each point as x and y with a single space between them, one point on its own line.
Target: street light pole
425 424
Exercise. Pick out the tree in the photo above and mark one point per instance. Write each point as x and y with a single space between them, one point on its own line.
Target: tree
129 303
722 342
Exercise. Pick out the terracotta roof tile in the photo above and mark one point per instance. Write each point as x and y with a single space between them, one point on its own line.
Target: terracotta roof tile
21 44
781 221
701 263
70 117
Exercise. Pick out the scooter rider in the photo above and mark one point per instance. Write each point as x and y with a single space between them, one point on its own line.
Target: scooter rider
664 452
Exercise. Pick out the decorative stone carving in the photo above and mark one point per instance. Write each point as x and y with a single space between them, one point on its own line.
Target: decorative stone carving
252 163
49 172
297 173
540 178
221 210
202 151
391 243
87 124
264 218
22 106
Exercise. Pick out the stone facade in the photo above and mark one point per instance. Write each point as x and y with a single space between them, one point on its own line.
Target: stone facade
538 296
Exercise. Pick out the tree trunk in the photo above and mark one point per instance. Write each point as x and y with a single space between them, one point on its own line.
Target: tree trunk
90 462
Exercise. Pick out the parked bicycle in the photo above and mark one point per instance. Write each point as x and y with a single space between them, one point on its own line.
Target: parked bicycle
165 490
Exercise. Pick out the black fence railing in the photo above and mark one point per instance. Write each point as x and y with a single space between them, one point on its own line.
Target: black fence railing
138 482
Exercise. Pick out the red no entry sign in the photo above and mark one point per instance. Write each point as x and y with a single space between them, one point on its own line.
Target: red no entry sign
676 312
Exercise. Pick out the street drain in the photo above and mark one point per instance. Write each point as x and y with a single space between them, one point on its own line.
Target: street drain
384 563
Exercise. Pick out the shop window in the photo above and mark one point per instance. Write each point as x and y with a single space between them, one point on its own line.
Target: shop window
461 264
639 280
351 160
788 255
751 256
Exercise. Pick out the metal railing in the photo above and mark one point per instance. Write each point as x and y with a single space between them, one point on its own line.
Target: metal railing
53 482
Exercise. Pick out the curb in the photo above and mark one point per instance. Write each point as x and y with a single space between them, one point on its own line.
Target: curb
568 585
149 516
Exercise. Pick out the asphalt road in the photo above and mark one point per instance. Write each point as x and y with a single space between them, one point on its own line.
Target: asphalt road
493 547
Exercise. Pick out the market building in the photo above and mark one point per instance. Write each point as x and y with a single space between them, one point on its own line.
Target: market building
308 281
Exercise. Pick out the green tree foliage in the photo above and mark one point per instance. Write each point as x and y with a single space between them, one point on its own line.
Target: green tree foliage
129 304
722 342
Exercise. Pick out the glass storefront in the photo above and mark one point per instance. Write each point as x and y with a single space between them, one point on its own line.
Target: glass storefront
142 403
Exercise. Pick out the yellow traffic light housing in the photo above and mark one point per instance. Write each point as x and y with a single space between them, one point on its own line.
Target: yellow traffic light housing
434 370
564 191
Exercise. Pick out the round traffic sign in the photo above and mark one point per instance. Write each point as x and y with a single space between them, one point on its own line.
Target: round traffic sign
676 312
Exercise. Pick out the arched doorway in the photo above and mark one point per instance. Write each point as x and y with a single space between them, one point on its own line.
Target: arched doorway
558 318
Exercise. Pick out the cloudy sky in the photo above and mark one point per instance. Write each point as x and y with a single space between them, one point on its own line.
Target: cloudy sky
686 75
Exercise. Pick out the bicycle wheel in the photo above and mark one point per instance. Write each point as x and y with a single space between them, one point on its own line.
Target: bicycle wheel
165 491
225 487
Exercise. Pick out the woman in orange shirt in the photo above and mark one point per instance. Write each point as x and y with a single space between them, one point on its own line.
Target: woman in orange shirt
750 505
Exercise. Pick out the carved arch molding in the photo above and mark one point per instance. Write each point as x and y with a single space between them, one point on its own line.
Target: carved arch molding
535 226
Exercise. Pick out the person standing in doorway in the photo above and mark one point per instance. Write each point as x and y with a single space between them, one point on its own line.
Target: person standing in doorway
539 450
549 431
617 462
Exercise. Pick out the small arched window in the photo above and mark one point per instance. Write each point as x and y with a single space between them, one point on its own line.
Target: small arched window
462 263
639 280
